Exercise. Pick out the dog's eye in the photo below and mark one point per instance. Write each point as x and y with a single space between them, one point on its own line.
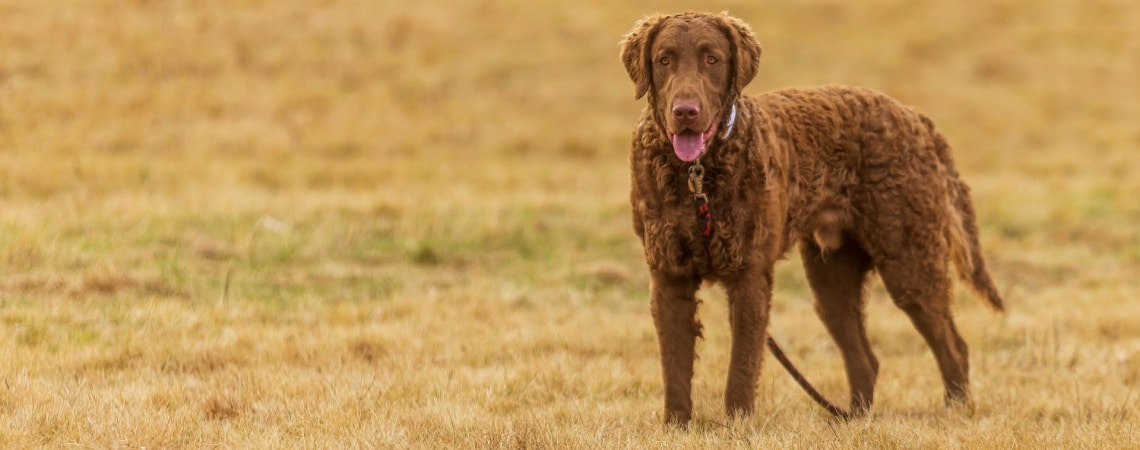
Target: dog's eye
664 61
711 59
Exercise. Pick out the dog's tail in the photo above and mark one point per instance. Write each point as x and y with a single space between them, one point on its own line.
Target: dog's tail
962 234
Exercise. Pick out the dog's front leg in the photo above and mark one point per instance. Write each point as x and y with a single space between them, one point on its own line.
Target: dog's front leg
749 296
674 306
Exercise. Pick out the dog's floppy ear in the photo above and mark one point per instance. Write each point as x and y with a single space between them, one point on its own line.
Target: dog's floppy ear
635 55
745 51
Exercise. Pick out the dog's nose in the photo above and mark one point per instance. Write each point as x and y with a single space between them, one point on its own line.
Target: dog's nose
686 111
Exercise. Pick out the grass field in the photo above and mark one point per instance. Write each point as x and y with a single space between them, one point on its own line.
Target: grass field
350 223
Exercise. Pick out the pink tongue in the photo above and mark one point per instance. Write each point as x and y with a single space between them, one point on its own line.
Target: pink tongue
688 145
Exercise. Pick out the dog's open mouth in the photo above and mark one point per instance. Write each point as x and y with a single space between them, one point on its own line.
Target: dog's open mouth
688 144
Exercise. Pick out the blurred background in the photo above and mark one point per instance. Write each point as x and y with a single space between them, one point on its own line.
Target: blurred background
450 130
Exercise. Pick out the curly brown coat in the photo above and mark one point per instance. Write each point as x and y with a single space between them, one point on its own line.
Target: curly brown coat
859 181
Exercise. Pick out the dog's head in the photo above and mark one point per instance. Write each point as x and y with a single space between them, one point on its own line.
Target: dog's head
693 66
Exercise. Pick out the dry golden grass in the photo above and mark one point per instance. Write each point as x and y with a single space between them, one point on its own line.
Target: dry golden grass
404 224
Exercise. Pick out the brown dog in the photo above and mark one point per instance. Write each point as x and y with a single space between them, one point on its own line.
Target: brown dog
859 181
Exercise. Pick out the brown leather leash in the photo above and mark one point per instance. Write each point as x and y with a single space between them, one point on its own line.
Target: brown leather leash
704 222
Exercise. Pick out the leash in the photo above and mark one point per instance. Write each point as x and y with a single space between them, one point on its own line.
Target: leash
803 382
704 222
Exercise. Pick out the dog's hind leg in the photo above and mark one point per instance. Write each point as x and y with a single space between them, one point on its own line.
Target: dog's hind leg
837 280
921 286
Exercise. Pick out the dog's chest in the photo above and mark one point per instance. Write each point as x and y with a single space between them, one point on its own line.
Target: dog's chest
678 242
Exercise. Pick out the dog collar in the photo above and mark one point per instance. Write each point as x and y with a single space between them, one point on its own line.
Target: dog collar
731 121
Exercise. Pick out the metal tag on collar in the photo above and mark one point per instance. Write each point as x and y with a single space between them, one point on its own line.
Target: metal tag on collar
697 177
